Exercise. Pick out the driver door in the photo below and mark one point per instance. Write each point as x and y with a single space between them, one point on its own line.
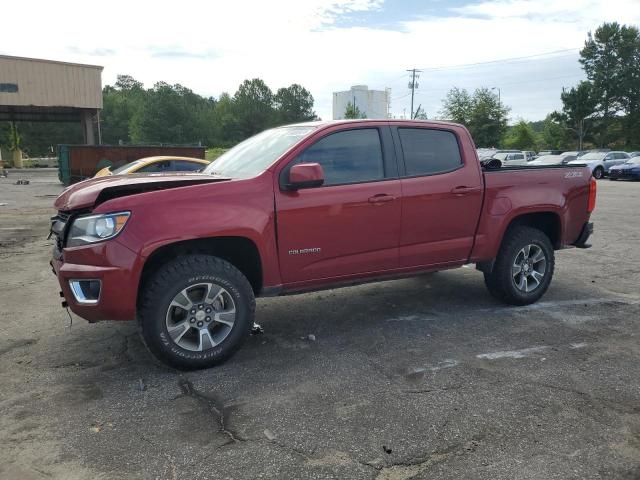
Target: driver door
349 226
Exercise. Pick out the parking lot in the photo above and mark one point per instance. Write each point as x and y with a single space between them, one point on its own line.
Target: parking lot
427 377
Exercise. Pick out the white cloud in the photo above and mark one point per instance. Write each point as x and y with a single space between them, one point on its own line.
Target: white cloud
212 46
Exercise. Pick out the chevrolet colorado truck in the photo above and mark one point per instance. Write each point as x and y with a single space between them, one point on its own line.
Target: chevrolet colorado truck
306 207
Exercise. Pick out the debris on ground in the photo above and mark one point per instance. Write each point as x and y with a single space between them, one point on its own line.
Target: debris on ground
141 385
257 329
387 450
2 204
22 182
270 435
311 337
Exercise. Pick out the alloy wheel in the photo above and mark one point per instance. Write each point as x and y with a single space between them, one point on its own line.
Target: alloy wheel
200 316
529 268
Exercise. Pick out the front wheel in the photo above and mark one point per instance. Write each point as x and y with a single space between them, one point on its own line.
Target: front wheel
598 173
196 311
523 268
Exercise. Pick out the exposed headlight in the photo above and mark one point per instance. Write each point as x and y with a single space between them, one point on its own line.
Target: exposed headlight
96 228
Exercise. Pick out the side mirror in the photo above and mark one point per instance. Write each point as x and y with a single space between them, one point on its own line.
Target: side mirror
305 175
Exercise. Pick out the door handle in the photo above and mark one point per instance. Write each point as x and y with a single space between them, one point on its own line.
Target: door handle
381 198
463 190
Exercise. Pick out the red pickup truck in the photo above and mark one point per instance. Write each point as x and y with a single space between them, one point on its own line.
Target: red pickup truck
306 207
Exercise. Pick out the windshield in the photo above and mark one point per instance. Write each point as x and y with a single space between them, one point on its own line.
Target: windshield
500 156
593 156
126 166
256 154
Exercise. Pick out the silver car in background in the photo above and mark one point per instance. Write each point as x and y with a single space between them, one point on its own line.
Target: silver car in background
553 159
601 162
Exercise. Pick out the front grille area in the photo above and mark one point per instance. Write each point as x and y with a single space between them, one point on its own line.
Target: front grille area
58 228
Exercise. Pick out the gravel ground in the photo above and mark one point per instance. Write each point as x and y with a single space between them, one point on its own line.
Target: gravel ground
420 378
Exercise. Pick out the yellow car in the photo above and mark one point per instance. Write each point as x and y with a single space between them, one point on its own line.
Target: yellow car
156 165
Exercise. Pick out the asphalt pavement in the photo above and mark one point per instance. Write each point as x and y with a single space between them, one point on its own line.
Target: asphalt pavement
428 377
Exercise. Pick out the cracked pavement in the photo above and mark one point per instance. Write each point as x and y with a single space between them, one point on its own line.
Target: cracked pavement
419 378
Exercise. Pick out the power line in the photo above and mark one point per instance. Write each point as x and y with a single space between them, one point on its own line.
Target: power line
504 60
535 80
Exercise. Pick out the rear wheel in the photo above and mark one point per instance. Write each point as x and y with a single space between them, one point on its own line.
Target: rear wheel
523 268
196 312
598 173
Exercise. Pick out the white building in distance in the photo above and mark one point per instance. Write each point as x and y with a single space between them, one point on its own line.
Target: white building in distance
371 103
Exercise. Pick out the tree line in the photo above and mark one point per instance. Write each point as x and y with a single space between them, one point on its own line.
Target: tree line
602 111
173 114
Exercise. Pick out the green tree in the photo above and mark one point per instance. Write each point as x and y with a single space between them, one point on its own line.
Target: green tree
555 134
168 115
120 103
457 106
521 137
578 106
482 113
294 104
353 112
253 107
488 121
611 61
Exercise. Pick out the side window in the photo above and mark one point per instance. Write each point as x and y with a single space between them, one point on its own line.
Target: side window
350 156
609 156
156 167
518 156
429 151
184 166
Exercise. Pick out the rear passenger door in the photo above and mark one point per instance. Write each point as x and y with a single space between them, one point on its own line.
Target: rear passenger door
350 225
441 197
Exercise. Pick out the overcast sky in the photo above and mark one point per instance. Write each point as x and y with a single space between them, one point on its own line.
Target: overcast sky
326 46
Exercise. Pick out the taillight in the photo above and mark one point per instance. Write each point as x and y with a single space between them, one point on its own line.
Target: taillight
592 195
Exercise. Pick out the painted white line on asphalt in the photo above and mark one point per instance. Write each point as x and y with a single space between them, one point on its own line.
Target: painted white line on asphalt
525 352
562 304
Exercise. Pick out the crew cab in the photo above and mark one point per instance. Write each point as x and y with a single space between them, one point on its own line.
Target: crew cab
305 207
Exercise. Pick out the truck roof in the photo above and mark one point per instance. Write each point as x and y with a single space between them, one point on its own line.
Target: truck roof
397 121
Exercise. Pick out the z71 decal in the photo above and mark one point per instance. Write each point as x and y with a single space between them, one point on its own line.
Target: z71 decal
573 174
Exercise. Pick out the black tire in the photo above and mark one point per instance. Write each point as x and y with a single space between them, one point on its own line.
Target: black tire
598 173
501 281
174 277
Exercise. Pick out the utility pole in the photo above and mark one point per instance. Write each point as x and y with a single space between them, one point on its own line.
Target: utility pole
499 100
413 85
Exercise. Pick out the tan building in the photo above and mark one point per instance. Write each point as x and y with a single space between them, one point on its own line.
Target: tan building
46 90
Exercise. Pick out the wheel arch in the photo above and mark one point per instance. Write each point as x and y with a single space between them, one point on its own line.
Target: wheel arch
241 252
548 222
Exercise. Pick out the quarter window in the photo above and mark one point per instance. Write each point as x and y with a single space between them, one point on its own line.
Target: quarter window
427 151
351 156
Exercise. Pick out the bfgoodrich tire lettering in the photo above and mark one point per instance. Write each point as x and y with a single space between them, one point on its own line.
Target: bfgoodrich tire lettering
190 273
524 250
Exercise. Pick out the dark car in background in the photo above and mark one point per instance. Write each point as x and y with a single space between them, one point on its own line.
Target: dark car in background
629 170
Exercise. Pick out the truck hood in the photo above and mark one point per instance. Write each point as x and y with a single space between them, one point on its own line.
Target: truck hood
92 192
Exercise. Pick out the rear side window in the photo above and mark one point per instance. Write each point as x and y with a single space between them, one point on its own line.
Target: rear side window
427 152
155 167
351 156
184 166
